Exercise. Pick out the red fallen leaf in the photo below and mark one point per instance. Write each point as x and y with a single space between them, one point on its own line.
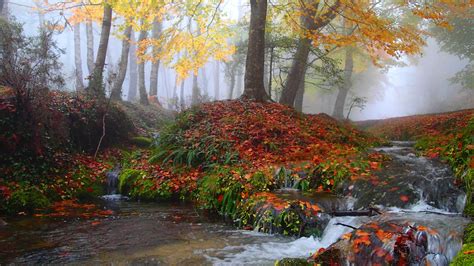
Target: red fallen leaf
374 165
404 198
469 252
220 198
95 223
380 252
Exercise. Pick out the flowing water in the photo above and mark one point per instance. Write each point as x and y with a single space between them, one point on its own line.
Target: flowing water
175 233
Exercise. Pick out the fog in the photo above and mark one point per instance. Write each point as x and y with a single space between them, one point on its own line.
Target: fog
421 85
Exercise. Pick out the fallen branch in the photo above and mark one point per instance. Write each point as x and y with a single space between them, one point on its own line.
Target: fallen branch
346 225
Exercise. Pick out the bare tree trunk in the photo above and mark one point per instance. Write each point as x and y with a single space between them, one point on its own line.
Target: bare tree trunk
133 79
301 56
217 81
4 9
300 95
141 73
196 94
155 34
232 85
344 89
78 57
296 72
116 93
204 81
96 86
90 46
270 73
181 96
255 62
238 85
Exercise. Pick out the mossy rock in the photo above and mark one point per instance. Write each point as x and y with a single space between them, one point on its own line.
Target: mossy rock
26 199
142 142
462 258
292 262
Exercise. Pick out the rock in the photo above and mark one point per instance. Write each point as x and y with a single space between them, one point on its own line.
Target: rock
292 262
3 223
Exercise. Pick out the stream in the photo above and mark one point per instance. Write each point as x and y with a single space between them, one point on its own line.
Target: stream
175 233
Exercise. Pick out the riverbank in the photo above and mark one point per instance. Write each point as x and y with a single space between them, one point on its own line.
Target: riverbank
267 168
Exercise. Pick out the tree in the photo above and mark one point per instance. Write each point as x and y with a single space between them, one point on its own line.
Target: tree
78 57
141 73
217 80
96 86
196 94
133 79
345 86
311 24
255 63
4 9
458 40
116 93
90 46
155 34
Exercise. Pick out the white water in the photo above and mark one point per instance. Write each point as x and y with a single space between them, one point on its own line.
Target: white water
443 245
269 252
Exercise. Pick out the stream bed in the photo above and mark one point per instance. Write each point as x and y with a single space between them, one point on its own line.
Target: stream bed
177 234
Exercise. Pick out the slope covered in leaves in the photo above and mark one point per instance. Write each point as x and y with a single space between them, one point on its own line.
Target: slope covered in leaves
448 136
230 156
256 133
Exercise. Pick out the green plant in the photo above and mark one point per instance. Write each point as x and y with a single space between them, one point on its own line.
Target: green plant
127 179
26 198
142 142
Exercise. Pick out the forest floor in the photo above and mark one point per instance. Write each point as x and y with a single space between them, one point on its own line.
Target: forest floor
231 158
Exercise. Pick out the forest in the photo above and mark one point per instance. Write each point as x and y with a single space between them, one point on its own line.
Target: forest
237 132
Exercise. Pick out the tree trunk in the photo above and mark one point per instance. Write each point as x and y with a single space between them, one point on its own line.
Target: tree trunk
217 81
232 85
116 93
311 24
270 73
296 73
90 46
155 34
255 62
195 93
96 86
238 85
204 81
344 89
4 9
133 79
78 57
141 73
300 94
181 96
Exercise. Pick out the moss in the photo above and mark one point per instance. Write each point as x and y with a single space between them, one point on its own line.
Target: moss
463 258
127 179
142 142
469 210
147 190
26 199
90 193
292 262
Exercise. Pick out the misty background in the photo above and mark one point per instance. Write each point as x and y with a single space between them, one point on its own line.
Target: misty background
416 85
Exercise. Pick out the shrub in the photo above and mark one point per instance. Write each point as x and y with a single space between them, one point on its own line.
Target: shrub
27 198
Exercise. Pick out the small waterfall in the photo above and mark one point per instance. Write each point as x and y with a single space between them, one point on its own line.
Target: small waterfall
267 253
430 181
112 180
